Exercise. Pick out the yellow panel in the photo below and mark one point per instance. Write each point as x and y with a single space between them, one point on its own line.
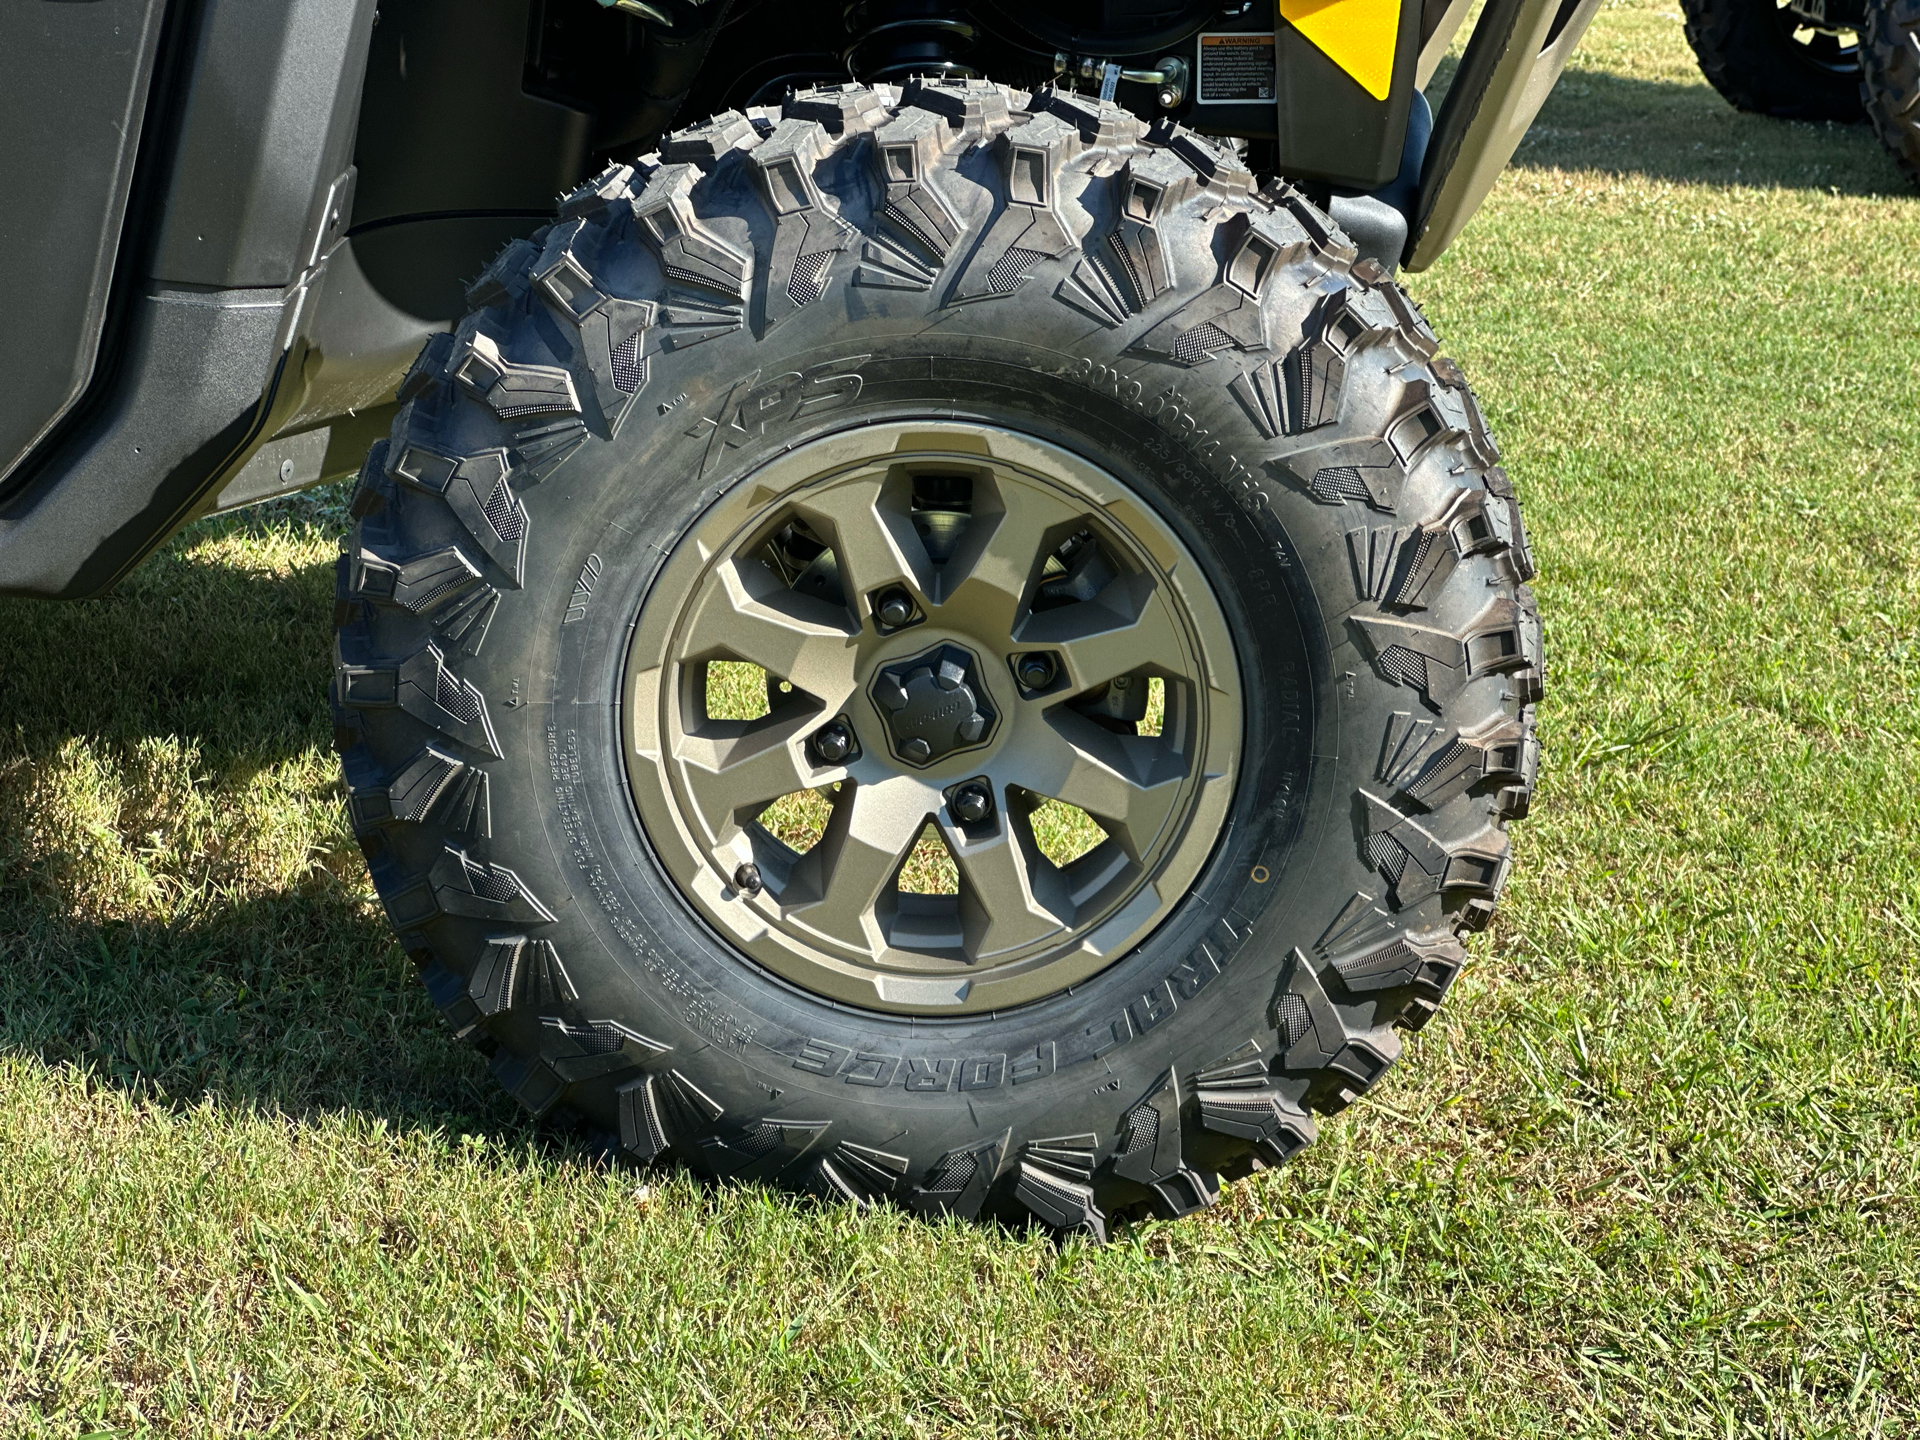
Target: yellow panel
1357 35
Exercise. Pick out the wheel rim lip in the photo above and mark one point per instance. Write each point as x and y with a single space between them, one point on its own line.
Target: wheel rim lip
909 981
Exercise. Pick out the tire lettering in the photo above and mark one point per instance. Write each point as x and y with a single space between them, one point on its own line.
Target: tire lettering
1097 1038
939 1075
1195 971
820 1058
750 409
1153 1007
931 1075
1169 409
583 590
1036 1064
983 1072
863 1068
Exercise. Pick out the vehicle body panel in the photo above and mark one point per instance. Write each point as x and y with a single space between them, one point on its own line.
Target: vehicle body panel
228 318
73 96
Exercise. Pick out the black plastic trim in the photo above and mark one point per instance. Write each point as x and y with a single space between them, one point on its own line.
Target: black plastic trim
1491 37
191 400
242 181
74 85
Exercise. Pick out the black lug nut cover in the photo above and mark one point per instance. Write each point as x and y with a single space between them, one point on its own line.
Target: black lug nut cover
972 804
1035 671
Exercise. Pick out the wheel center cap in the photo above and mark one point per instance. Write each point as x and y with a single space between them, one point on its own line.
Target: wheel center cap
934 704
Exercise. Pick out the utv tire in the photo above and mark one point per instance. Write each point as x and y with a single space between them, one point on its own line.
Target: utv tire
890 393
1748 51
1890 79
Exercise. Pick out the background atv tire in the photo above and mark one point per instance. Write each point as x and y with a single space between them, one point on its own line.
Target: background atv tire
964 261
1748 53
1890 79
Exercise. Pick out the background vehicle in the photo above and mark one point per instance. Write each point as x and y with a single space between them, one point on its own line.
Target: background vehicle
1797 60
804 713
1844 60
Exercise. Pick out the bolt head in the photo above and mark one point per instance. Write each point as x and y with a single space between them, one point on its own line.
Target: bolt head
972 804
894 608
1036 671
747 879
832 743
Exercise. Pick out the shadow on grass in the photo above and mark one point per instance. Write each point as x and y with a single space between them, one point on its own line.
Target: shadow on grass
299 1003
234 662
1685 133
288 996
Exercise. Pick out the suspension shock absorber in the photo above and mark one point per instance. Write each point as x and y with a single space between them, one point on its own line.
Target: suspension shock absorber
896 39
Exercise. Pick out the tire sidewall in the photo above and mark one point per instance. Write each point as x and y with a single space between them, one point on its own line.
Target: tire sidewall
639 955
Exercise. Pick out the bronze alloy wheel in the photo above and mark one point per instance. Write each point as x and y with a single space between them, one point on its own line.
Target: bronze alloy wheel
1014 526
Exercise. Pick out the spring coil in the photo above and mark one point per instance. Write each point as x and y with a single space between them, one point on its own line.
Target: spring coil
896 39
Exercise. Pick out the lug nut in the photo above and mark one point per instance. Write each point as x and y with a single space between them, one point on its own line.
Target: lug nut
747 879
832 743
894 608
971 804
1035 671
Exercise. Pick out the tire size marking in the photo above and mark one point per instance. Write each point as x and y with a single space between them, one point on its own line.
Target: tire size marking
1169 410
564 767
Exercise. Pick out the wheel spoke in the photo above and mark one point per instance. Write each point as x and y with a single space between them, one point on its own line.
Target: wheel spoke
997 904
875 546
1124 630
997 559
1113 778
816 654
732 780
869 836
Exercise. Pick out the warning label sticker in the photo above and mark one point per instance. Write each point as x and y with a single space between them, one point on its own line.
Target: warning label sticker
1235 69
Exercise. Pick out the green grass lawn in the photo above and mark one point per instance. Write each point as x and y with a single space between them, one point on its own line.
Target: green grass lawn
1652 1172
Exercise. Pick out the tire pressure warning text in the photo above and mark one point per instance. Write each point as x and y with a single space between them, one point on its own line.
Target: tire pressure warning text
1236 69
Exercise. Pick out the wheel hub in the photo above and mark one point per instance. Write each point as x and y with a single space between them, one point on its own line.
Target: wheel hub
935 704
941 770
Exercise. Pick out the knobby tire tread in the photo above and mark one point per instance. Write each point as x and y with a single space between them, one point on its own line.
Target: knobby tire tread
1890 80
549 362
